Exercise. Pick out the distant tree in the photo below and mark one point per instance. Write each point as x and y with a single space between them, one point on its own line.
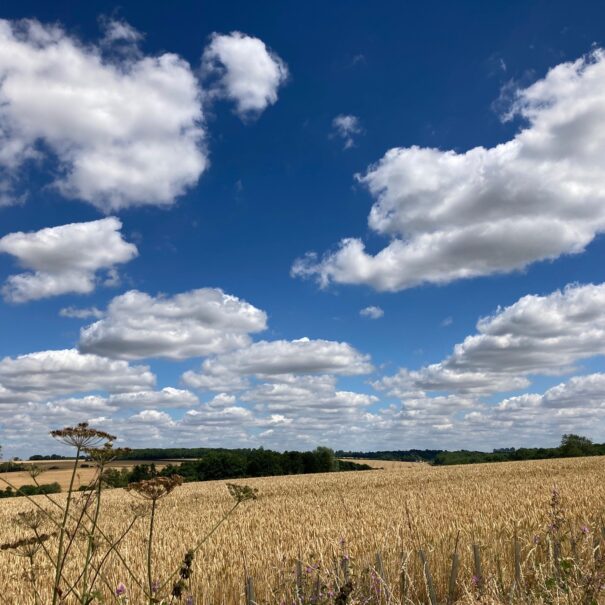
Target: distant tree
575 445
141 472
114 477
264 463
326 460
220 465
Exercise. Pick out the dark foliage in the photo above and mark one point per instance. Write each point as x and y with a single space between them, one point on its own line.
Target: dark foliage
395 455
31 490
11 467
571 446
233 464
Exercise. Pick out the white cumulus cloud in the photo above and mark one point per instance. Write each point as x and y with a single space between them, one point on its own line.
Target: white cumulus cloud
243 70
453 215
48 373
191 324
81 313
537 335
347 127
372 312
279 357
125 130
64 259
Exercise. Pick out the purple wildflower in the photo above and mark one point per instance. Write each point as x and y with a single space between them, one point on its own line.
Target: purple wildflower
120 590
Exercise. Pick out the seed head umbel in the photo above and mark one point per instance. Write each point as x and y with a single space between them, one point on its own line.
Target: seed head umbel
155 488
32 519
102 456
241 493
82 436
27 547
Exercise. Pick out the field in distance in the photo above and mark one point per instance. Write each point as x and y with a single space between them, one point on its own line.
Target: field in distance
327 518
60 471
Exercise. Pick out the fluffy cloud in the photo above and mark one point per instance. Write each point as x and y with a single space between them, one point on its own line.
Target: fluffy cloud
64 259
125 129
196 323
244 71
278 357
573 406
372 312
212 417
152 417
535 335
347 127
85 313
453 421
299 395
488 210
49 373
119 31
167 397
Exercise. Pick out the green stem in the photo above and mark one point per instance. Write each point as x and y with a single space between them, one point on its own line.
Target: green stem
150 552
59 562
47 515
201 543
91 535
32 571
111 549
52 560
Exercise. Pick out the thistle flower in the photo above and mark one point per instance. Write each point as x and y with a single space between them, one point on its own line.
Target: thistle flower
184 574
177 589
120 590
156 488
81 436
241 493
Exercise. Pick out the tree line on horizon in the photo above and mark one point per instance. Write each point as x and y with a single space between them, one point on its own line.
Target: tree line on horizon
237 464
571 446
212 465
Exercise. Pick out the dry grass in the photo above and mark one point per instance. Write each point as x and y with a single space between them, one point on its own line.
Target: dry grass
396 510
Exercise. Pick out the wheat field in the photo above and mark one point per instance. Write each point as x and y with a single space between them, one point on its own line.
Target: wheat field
325 518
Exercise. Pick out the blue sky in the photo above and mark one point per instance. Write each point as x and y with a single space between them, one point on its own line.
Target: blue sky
235 185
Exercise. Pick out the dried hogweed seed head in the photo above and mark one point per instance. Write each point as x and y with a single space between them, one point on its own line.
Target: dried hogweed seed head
26 547
140 509
103 455
82 436
34 470
32 519
241 493
155 488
